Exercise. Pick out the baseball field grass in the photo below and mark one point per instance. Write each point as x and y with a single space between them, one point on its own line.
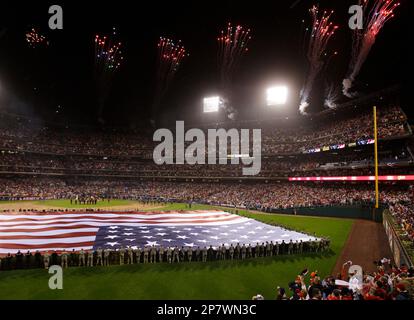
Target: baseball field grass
67 204
196 280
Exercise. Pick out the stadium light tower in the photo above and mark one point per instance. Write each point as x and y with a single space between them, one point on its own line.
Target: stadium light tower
276 95
211 104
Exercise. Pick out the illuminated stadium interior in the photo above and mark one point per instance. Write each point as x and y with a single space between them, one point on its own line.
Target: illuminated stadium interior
81 111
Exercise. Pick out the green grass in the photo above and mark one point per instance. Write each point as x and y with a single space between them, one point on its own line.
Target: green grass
100 204
67 204
212 280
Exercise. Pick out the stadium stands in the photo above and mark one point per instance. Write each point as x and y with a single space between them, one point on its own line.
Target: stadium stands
20 134
386 283
39 161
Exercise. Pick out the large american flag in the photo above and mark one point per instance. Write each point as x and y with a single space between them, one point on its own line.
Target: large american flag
92 230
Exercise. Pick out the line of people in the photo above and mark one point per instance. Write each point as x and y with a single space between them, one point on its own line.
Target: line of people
160 254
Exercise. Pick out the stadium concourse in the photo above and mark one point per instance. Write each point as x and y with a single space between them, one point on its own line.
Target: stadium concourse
41 161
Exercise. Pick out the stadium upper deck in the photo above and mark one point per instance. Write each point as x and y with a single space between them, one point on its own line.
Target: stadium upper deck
21 134
335 148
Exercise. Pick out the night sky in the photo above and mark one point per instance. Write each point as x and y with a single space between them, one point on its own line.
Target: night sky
37 81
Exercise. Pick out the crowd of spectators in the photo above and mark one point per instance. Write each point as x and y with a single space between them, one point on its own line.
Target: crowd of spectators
71 154
22 135
388 282
253 195
359 164
391 123
403 218
27 147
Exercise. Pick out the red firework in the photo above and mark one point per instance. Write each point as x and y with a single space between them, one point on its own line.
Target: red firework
232 45
363 40
322 31
170 57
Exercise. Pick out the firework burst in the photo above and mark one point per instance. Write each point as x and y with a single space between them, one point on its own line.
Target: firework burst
34 39
364 39
232 45
108 59
108 55
322 31
170 57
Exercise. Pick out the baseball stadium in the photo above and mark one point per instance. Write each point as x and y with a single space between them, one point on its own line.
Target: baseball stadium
232 151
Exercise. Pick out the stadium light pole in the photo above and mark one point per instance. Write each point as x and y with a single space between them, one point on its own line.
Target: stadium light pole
376 158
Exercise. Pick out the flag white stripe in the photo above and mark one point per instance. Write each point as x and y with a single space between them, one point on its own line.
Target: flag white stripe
48 240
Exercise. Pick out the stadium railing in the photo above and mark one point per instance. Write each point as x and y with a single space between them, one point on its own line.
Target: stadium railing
403 251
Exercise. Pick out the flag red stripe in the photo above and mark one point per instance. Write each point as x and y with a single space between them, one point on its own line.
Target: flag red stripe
78 226
146 213
146 221
106 218
50 245
113 222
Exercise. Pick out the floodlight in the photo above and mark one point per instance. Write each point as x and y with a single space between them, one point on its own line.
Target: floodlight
276 95
211 104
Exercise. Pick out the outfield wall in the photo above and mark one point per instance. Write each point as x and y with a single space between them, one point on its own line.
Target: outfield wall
348 211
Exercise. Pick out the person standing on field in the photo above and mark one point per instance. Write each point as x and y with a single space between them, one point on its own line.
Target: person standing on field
28 259
153 254
223 252
138 255
301 247
161 254
249 251
231 252
46 258
130 255
64 259
204 254
82 258
237 251
90 258
198 254
99 257
121 256
290 247
106 254
176 255
169 253
243 251
219 252
190 254
256 250
277 248
267 249
145 254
